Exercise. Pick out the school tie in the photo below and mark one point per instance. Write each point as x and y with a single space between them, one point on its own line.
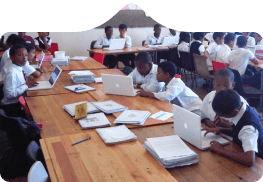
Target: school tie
24 74
216 120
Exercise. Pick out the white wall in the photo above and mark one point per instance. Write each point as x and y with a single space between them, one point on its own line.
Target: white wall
77 43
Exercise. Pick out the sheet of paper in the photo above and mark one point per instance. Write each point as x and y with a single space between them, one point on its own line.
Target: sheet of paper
162 115
98 80
117 132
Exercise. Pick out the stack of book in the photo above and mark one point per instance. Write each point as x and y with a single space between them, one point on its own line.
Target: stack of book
109 106
85 76
133 117
70 108
94 121
117 134
170 151
60 61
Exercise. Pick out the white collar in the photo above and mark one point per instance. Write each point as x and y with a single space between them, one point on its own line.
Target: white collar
19 68
240 113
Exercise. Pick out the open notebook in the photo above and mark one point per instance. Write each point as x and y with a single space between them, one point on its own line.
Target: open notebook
109 106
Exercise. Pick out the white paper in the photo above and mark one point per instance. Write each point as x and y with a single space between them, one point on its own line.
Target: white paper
81 58
81 73
162 115
98 80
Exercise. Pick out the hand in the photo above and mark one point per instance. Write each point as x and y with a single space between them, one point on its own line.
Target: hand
137 86
216 130
216 147
45 50
209 123
224 123
30 82
142 93
40 70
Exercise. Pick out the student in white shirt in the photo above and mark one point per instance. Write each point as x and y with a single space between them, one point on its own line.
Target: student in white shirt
197 47
250 40
174 91
15 84
144 74
209 37
183 45
174 33
225 50
258 38
43 42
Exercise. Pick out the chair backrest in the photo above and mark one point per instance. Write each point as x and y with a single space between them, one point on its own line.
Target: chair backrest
37 173
187 62
201 66
92 47
174 57
99 57
127 70
32 151
218 65
238 83
53 48
24 105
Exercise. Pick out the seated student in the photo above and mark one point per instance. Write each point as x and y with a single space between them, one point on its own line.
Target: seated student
246 128
43 42
250 40
15 84
223 79
183 45
26 38
175 34
258 38
110 60
126 58
197 47
225 49
174 91
212 49
31 49
144 75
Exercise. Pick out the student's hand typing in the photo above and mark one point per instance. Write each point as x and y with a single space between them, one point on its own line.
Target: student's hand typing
142 93
209 123
216 147
30 82
216 130
224 123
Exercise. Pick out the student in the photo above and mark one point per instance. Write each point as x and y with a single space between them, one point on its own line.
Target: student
26 38
126 58
250 40
183 45
43 42
174 91
209 37
175 34
110 60
197 47
223 79
225 49
246 128
31 49
212 49
144 75
258 38
15 84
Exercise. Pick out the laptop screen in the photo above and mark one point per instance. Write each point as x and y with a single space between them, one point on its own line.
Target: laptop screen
54 76
41 58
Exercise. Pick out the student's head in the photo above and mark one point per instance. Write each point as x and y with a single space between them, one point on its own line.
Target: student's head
18 54
43 34
226 103
122 29
246 34
218 37
31 52
184 36
166 71
19 40
229 39
143 63
22 34
199 35
157 29
258 37
241 41
11 39
109 31
172 31
223 79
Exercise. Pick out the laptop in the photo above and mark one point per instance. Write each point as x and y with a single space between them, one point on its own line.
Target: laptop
118 85
167 41
41 58
116 44
187 125
51 81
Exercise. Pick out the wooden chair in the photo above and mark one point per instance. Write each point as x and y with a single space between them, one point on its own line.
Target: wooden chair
92 47
218 65
188 65
53 48
99 57
37 173
25 107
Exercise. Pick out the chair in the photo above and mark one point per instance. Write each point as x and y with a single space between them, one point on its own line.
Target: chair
37 173
218 65
99 57
33 151
175 59
188 64
92 47
25 107
202 70
53 48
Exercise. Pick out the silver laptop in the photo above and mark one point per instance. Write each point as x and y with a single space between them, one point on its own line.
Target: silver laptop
116 44
41 58
51 81
118 85
167 41
187 125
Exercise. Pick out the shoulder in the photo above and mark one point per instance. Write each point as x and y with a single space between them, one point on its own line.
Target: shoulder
210 95
176 82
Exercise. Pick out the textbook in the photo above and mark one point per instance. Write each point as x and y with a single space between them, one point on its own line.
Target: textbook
133 117
116 134
94 121
79 58
109 106
170 151
70 108
80 88
84 76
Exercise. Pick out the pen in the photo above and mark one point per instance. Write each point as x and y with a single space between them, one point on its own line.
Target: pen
80 88
160 115
80 141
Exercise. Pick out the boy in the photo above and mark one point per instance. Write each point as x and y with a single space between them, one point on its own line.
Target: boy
26 38
250 40
15 84
144 75
212 49
174 91
246 128
175 34
258 38
224 51
197 47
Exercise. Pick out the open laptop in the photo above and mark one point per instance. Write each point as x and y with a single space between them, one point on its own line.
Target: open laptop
51 81
187 125
41 58
118 85
167 41
116 44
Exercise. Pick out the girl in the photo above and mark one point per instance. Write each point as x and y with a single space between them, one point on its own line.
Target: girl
42 42
184 42
31 55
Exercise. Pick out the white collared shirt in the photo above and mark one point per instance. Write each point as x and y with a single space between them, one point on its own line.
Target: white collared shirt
212 50
14 85
48 41
127 40
239 58
209 37
149 82
151 40
177 37
251 41
4 58
223 53
176 92
102 41
183 47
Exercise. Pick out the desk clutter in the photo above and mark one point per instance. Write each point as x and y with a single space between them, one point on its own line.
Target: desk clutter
84 76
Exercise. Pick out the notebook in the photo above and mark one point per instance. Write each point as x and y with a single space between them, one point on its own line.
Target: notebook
70 108
109 106
134 117
187 125
118 85
80 88
41 58
51 81
94 121
116 44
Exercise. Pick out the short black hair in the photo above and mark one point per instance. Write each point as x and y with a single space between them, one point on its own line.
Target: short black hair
198 35
19 40
107 27
226 101
29 47
11 38
157 25
183 36
144 57
241 41
225 73
229 37
14 48
218 35
168 67
123 26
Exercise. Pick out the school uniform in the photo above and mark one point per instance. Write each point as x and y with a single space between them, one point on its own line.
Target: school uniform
40 43
177 37
183 47
223 53
197 48
251 41
149 82
127 58
209 37
212 50
29 39
176 92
